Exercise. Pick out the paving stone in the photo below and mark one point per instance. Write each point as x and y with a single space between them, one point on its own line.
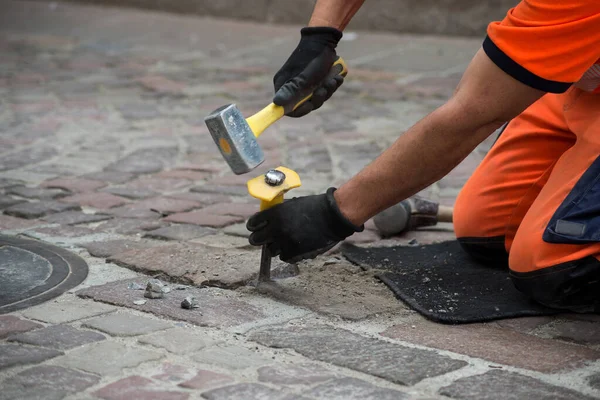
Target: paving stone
204 218
66 311
14 354
10 325
204 199
107 358
237 230
131 193
7 223
177 340
68 231
190 175
125 324
26 157
172 373
7 201
353 389
145 161
231 357
247 391
165 205
583 332
193 263
503 385
111 247
39 209
8 183
74 184
594 381
179 232
75 217
128 212
526 324
58 337
393 362
221 189
158 184
244 210
38 193
46 382
110 176
290 374
214 311
96 200
502 346
129 226
137 387
207 380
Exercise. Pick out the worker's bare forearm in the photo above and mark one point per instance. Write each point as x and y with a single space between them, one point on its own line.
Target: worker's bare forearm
484 100
334 13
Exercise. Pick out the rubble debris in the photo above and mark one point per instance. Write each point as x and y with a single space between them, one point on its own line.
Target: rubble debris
414 243
135 286
189 302
154 289
166 289
140 302
181 287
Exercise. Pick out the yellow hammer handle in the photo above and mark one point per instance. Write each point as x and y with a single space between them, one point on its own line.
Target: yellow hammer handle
271 113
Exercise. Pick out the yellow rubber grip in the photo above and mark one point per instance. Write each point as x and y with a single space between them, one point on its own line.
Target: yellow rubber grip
271 113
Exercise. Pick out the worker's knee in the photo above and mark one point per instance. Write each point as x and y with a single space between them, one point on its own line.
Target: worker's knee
574 285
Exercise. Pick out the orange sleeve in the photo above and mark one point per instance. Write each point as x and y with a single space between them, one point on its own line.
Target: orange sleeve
546 44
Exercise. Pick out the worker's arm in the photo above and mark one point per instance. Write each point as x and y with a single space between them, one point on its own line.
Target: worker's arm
334 13
485 99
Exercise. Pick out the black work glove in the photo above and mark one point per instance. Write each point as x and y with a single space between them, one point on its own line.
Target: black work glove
305 71
301 228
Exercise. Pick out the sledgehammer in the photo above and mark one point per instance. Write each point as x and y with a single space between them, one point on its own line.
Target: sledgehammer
236 137
411 213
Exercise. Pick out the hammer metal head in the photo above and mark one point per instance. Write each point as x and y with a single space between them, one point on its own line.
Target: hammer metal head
235 139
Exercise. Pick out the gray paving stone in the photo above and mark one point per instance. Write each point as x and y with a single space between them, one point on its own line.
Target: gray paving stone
503 385
10 325
26 157
214 311
14 354
7 201
237 230
46 382
75 217
179 232
125 324
353 389
66 311
38 193
6 183
131 193
39 209
111 247
594 381
178 340
221 189
107 358
294 374
233 357
110 176
58 337
393 362
247 391
138 387
129 226
144 161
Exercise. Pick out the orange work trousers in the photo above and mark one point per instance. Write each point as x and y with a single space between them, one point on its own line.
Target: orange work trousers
534 202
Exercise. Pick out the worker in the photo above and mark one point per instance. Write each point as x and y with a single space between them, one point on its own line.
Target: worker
533 203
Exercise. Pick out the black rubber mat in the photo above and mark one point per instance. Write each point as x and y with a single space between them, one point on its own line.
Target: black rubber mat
32 272
444 284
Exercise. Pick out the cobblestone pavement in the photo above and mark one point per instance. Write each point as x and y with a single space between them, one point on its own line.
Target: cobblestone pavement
104 152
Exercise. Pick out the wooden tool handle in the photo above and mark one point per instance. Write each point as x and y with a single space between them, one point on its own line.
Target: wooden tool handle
271 113
445 214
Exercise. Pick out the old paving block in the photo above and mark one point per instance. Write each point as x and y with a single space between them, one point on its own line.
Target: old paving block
205 379
11 325
171 373
38 193
221 189
295 374
125 324
66 311
244 210
204 218
7 201
194 263
204 199
107 358
145 161
390 361
237 230
179 232
138 387
75 217
110 247
58 337
502 346
247 391
29 156
214 311
8 222
15 354
594 381
525 324
39 209
131 193
133 213
504 385
221 241
231 357
583 332
96 200
353 389
110 176
177 340
73 184
45 382
165 205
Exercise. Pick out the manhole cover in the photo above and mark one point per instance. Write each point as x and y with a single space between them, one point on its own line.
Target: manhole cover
32 272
